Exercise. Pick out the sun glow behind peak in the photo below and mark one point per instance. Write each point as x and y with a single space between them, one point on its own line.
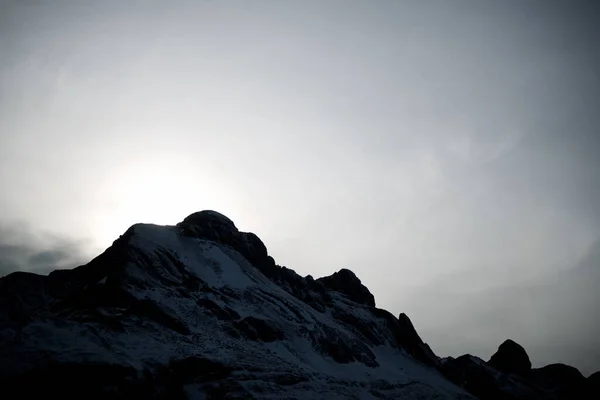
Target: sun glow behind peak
160 190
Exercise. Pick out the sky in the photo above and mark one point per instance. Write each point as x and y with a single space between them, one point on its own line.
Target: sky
444 151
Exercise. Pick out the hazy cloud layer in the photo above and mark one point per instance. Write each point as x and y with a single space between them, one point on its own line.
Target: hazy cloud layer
447 152
24 249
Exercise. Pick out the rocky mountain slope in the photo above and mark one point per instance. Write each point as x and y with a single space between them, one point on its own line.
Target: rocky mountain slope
201 311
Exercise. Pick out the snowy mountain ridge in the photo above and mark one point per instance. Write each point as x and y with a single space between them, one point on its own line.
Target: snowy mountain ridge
201 311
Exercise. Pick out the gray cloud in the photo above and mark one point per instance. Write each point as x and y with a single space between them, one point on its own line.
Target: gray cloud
22 249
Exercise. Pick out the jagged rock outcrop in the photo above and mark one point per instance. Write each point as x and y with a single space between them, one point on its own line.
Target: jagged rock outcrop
511 357
344 281
214 226
410 340
508 375
475 376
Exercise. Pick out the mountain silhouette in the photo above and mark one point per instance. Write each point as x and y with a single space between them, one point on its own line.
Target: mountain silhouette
200 310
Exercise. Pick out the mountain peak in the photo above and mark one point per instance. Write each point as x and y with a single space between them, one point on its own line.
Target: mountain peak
511 357
212 225
346 282
205 217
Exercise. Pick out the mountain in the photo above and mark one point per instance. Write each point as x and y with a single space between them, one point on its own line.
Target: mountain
201 311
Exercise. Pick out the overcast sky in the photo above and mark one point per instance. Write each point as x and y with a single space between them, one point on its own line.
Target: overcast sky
448 152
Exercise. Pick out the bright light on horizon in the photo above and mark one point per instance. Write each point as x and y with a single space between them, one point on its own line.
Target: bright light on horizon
161 190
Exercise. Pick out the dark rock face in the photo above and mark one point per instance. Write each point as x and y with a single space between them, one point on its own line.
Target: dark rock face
308 291
508 375
511 357
258 329
594 381
93 380
563 381
344 349
344 281
199 369
211 220
471 374
214 226
225 313
410 340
